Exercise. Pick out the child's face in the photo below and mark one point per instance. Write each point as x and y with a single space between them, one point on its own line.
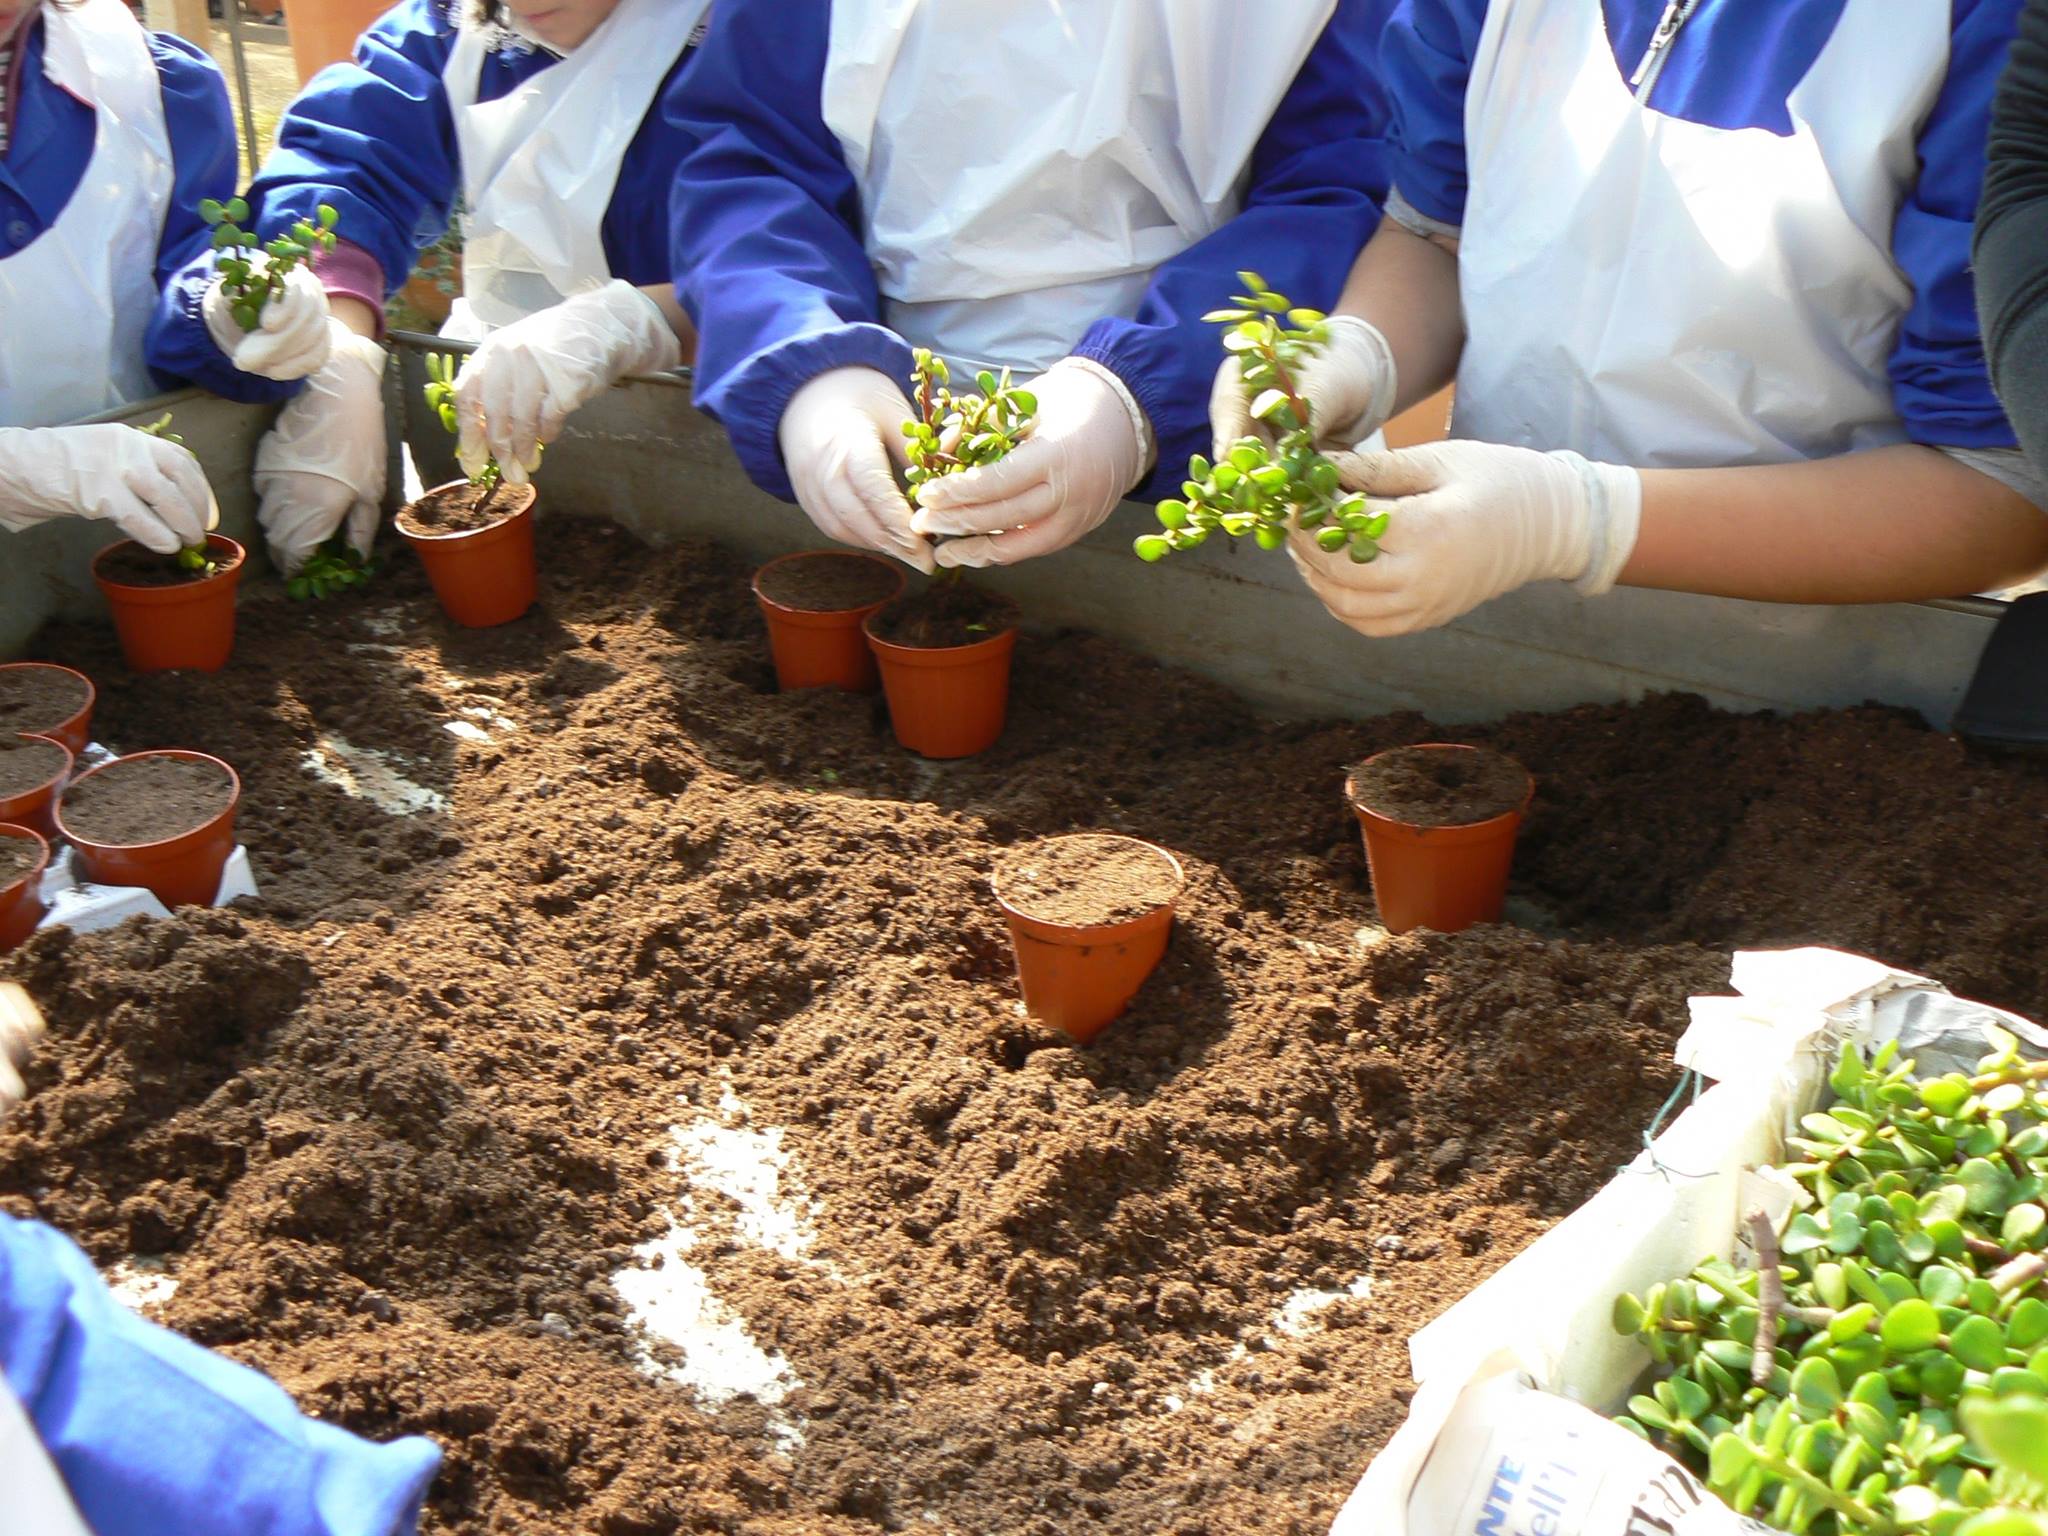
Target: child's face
561 24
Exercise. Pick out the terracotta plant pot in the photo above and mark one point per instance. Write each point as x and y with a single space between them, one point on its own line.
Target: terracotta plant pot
946 698
1078 972
824 647
1445 876
54 711
21 898
189 626
32 806
324 32
182 869
483 576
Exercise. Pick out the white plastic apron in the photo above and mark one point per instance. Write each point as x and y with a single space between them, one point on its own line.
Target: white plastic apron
540 164
1024 165
77 299
1655 292
35 1500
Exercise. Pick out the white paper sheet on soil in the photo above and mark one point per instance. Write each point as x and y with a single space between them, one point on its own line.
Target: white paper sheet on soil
367 774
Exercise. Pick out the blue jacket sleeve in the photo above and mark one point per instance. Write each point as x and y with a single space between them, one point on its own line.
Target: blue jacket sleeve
201 127
1426 61
1318 176
155 1436
766 229
1941 384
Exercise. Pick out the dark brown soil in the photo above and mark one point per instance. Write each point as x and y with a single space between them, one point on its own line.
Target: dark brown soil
461 509
145 800
1086 879
829 582
38 699
18 856
131 565
394 1126
945 614
27 763
1429 788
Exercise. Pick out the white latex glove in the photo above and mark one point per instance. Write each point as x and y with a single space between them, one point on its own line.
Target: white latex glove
153 490
1348 387
1469 522
20 1027
291 336
323 460
1089 444
525 380
842 438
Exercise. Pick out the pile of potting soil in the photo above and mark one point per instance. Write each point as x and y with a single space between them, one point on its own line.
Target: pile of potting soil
621 1079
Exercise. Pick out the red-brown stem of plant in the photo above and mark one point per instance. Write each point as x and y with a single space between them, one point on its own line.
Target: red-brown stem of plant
1286 382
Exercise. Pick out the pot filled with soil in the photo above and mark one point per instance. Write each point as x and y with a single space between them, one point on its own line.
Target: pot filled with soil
23 855
1089 915
945 655
161 820
39 698
32 770
1440 823
476 542
172 615
815 603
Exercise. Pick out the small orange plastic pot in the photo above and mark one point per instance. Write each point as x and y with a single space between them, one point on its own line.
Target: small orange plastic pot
182 871
485 576
75 731
324 32
1445 878
34 808
1079 980
21 903
823 649
950 701
188 627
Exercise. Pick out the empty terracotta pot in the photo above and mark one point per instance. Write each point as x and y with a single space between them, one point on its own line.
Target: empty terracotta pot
823 647
1445 877
33 806
21 896
68 720
185 626
483 576
1078 976
182 868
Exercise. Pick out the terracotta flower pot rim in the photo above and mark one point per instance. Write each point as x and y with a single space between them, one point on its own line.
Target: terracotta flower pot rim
63 774
528 494
73 721
35 871
234 801
1482 826
178 591
827 617
910 653
1092 933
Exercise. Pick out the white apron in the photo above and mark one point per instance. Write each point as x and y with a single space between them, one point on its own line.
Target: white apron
1658 293
36 1499
1024 165
540 164
77 299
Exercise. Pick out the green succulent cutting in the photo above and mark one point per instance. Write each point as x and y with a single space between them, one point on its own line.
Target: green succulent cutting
249 289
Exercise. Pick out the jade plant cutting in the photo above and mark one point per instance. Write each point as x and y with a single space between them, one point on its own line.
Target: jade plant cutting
440 394
248 285
336 566
952 433
1261 488
1884 1367
194 558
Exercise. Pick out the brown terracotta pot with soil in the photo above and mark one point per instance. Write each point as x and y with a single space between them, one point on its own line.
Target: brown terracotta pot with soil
477 546
23 856
1089 916
161 820
945 656
39 698
32 771
815 603
1440 823
171 619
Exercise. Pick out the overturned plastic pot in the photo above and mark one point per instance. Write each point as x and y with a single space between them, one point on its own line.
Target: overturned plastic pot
1440 822
164 821
169 619
40 698
1089 916
32 773
23 857
944 657
815 603
477 547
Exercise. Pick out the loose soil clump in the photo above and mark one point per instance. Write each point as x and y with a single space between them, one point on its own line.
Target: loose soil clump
562 919
1086 880
944 615
34 700
27 763
827 583
1428 788
461 509
145 800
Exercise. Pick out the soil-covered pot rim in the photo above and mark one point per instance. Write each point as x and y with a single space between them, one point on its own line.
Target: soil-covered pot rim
58 778
525 495
234 799
1360 807
895 570
1087 932
35 870
896 648
92 692
216 543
